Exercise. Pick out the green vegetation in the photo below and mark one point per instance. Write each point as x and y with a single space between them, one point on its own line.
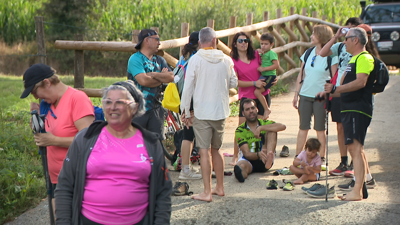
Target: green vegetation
21 174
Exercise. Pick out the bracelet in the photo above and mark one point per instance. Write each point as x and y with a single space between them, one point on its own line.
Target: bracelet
254 83
333 89
300 162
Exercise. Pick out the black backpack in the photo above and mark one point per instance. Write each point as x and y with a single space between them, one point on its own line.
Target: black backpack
307 54
379 75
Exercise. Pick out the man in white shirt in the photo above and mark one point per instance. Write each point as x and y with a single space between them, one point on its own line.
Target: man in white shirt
209 77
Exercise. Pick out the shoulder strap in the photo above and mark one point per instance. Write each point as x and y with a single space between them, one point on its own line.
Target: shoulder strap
340 51
308 52
329 61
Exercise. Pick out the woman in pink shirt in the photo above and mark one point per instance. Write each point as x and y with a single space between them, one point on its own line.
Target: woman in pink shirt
247 61
115 171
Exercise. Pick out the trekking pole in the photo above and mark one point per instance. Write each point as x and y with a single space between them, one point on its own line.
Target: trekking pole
38 126
328 108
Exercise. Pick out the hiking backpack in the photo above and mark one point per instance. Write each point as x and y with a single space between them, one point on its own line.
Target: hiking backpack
45 108
379 75
307 54
179 76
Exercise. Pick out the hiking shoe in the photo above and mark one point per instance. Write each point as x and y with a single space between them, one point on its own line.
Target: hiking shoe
238 173
347 187
289 186
285 151
272 185
350 171
320 192
181 188
189 176
312 188
339 171
371 184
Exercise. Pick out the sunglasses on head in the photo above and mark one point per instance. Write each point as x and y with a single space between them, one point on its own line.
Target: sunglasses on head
240 41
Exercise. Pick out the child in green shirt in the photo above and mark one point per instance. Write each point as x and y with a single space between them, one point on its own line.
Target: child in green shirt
269 64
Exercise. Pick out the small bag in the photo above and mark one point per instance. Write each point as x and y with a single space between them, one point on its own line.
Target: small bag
171 99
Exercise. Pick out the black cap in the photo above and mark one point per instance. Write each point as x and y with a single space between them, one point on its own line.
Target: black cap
144 34
34 75
194 38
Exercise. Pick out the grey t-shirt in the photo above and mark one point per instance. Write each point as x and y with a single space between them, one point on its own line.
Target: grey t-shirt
344 58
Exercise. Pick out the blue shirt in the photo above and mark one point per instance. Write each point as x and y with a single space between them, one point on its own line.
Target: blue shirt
139 63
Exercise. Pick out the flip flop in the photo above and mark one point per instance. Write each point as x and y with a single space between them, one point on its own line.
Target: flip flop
228 154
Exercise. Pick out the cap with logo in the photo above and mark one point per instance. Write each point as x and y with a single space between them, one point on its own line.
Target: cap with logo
34 75
144 34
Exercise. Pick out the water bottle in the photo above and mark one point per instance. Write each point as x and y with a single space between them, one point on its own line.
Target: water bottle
345 30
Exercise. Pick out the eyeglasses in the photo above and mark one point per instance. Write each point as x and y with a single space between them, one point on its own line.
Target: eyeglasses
312 60
155 38
240 41
351 36
107 103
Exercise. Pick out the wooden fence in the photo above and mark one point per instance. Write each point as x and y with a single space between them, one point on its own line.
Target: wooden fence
295 26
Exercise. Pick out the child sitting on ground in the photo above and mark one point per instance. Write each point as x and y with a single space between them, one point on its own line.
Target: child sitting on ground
269 64
309 161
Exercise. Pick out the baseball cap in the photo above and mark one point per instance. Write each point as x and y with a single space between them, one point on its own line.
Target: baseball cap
194 38
144 34
34 75
367 28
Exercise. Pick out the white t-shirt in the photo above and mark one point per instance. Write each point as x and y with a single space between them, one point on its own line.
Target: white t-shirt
344 57
315 76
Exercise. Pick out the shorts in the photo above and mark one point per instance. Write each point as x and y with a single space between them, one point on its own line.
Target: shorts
318 176
152 120
268 80
308 107
335 110
258 104
188 134
257 166
355 126
209 133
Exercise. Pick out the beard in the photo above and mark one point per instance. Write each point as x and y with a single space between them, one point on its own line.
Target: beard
251 117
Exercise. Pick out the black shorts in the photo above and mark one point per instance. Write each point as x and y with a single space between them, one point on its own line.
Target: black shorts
335 110
188 134
258 104
152 120
355 126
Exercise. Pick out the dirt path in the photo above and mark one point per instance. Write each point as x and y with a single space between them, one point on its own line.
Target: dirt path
251 203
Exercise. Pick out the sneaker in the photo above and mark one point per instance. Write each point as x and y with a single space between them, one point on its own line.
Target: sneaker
347 187
181 188
289 186
238 173
285 151
350 171
371 184
189 176
321 192
339 171
272 185
312 188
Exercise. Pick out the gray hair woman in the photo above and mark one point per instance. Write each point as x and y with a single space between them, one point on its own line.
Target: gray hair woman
115 171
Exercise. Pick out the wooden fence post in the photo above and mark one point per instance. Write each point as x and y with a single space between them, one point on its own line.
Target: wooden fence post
249 21
210 23
291 26
232 24
265 18
40 40
184 33
314 15
135 37
79 77
278 27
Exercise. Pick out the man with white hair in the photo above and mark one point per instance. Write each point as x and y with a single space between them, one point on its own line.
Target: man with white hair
209 76
355 94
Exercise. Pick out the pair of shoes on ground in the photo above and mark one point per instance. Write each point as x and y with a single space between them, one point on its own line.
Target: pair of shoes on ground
284 152
191 175
181 188
371 184
273 185
343 169
319 191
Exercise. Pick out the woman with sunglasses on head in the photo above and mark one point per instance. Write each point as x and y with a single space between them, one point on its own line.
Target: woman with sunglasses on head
70 111
310 81
115 171
247 61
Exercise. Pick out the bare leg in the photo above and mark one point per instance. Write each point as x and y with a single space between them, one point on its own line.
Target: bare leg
205 164
299 173
235 146
270 143
301 140
356 150
321 135
246 168
258 93
219 166
186 148
340 134
53 202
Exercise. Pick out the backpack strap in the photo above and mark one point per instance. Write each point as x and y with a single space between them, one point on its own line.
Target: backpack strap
306 55
340 51
329 61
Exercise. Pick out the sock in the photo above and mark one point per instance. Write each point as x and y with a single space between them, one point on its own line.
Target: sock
354 178
369 177
186 168
344 160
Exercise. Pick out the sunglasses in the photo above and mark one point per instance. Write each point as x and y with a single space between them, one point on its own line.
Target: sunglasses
155 38
312 60
351 36
240 41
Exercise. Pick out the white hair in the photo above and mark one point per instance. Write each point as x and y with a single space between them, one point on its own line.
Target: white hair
206 35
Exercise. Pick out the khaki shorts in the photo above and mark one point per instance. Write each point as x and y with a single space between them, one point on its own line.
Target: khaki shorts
309 107
209 133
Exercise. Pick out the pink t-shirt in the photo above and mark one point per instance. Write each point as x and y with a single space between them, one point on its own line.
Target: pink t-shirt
316 161
248 72
73 105
117 180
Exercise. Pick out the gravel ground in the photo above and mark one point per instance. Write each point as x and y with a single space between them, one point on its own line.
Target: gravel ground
251 203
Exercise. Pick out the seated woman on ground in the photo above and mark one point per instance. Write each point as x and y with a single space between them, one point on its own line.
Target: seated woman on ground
309 161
